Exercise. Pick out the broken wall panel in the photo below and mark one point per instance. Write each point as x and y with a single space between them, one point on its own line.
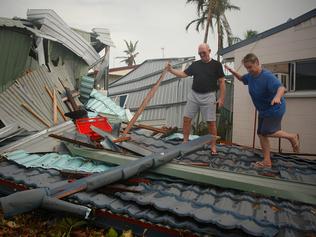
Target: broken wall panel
30 91
14 50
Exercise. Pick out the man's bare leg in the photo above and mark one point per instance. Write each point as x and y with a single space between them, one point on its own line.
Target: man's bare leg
186 128
265 145
292 137
213 131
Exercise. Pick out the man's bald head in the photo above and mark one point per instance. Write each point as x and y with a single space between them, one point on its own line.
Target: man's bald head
204 47
204 52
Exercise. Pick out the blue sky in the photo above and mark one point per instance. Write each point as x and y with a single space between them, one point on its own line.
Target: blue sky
158 24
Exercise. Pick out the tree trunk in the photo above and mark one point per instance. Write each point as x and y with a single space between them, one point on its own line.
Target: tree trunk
209 17
219 37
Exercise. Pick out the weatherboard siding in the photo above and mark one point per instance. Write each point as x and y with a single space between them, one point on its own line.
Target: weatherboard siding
295 43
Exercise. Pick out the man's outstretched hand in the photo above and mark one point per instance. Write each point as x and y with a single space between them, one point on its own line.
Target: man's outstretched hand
229 69
220 102
276 100
168 67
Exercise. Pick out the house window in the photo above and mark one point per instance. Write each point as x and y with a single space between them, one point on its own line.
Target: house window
284 78
302 75
305 74
122 99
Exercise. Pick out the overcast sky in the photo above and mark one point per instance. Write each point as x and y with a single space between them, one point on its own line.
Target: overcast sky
158 24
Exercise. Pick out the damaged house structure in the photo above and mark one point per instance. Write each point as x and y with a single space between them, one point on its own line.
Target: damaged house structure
66 154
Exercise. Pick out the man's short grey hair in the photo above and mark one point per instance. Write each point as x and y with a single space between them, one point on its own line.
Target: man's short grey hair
250 58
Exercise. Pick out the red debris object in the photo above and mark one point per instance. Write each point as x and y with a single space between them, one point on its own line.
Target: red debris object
138 180
83 126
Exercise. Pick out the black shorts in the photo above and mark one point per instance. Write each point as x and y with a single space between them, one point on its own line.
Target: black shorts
269 125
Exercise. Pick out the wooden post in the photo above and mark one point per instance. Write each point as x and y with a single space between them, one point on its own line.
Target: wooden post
254 131
58 107
55 119
148 97
121 139
150 128
35 115
71 99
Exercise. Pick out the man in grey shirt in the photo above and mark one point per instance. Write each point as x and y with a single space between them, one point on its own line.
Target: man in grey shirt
207 74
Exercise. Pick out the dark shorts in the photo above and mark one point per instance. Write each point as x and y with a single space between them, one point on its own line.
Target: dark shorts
269 125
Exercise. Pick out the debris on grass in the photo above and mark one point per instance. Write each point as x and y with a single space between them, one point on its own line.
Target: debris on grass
49 225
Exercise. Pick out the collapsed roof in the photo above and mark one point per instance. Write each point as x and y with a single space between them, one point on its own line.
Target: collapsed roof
220 195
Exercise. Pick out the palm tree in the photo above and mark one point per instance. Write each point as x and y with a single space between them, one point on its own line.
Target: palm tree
131 54
233 40
222 23
204 12
250 33
208 10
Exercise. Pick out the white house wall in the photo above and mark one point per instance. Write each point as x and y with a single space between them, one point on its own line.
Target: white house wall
295 43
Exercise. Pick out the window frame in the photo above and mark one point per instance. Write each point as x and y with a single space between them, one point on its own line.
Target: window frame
294 76
291 72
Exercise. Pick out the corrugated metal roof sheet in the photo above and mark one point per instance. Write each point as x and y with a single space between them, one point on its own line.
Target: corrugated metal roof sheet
18 24
8 130
86 87
106 106
10 133
168 93
66 74
56 161
40 141
51 24
104 36
14 50
30 90
84 34
168 102
146 74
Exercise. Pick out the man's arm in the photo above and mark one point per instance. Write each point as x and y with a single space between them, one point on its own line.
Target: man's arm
177 73
278 96
222 89
232 71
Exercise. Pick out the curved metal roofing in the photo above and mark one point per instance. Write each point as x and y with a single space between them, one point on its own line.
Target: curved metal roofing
7 22
51 24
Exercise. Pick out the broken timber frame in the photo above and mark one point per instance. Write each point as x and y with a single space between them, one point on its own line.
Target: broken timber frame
31 111
58 107
148 97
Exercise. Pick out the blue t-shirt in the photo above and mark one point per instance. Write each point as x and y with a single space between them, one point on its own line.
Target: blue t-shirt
262 89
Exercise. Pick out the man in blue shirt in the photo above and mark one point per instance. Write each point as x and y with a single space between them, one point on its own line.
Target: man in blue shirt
266 92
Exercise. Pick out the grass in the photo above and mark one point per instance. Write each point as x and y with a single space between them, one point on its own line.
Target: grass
43 224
